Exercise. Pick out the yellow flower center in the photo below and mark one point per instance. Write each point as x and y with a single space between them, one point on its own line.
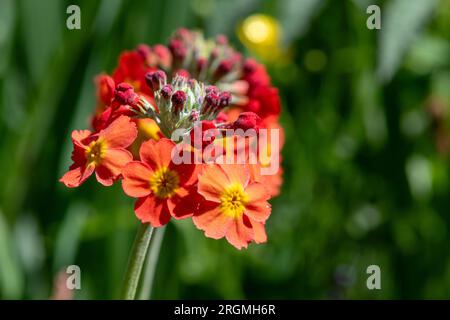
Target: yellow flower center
233 200
164 182
95 152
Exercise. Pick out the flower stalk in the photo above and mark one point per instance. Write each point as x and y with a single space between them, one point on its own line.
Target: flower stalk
151 262
136 261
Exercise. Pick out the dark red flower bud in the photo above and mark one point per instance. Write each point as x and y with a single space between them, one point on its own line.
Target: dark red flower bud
183 33
212 89
156 79
143 50
124 94
250 66
222 40
201 64
166 91
247 120
224 67
178 100
210 102
224 99
164 57
178 49
182 73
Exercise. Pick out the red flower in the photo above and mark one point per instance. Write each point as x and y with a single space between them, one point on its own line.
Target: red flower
132 69
163 188
255 74
246 121
235 207
264 101
102 152
105 89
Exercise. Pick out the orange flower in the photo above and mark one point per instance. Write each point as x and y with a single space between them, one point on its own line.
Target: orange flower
163 188
102 152
234 207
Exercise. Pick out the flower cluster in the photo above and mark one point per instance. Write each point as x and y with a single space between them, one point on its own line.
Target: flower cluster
152 108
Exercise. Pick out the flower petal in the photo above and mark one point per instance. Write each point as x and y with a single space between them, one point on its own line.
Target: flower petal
111 166
104 176
240 233
77 176
257 207
153 210
116 159
136 177
237 173
187 173
212 182
184 203
120 133
259 231
157 154
78 137
257 192
209 219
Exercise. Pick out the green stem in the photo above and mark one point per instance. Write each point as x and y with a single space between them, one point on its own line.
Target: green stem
150 264
136 261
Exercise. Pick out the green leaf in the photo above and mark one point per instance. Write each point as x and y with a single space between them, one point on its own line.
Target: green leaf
11 276
401 24
295 17
42 24
7 19
69 234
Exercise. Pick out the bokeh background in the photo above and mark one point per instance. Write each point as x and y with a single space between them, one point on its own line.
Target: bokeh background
366 158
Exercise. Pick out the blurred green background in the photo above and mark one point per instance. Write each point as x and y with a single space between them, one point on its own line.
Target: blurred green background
366 158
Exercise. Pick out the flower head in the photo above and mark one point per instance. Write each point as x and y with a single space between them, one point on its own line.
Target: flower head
218 100
234 206
103 153
162 188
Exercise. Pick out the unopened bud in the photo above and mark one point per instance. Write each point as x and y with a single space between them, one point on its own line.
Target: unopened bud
247 120
156 79
124 93
210 102
182 73
223 68
166 91
250 66
224 99
222 40
201 64
178 49
164 57
211 89
178 100
143 50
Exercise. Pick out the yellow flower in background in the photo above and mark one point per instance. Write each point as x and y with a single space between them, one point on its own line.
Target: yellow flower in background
261 34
